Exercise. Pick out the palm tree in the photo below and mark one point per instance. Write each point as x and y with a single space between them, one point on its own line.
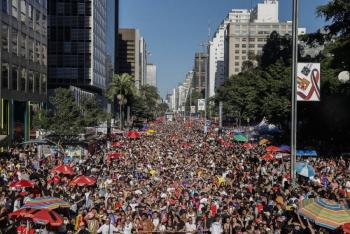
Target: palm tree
119 89
123 84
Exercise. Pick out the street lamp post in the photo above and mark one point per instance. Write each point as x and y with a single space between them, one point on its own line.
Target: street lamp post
294 92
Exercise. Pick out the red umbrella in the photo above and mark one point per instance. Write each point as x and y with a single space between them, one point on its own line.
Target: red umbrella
273 149
40 216
83 181
117 143
248 145
113 155
133 135
21 184
63 169
346 228
268 157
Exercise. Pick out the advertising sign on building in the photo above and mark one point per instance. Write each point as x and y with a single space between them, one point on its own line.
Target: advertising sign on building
201 104
193 109
309 82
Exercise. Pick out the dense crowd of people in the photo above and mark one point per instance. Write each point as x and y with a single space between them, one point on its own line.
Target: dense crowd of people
177 180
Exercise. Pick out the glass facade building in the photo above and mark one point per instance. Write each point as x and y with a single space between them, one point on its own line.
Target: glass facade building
78 36
23 66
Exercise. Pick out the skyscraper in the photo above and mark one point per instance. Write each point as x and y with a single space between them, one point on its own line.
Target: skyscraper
77 37
217 49
200 72
23 67
132 55
152 75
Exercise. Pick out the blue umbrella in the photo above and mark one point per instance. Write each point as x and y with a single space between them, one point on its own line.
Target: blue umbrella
304 169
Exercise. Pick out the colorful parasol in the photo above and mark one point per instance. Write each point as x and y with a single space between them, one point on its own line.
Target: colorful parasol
83 181
21 184
63 169
46 203
133 135
264 142
248 145
273 149
325 213
240 138
268 157
39 216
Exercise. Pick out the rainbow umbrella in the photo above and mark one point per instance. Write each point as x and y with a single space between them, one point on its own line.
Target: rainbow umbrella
50 203
325 213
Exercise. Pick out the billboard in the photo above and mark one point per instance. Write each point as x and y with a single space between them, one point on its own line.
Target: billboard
193 109
309 82
201 104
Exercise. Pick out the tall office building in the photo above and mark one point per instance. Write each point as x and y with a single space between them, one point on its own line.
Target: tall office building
77 39
200 72
128 54
23 67
217 49
132 55
152 75
143 61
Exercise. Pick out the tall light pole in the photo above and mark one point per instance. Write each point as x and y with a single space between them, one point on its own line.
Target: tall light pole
294 114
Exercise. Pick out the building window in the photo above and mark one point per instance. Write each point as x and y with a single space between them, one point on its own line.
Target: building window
244 39
30 82
37 52
251 39
30 49
236 51
14 41
4 6
23 79
237 70
251 46
81 8
43 84
4 76
236 45
37 83
37 17
244 46
15 8
237 57
23 10
5 37
236 63
14 78
23 45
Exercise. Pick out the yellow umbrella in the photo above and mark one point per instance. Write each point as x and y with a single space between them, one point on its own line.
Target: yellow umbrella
151 131
264 142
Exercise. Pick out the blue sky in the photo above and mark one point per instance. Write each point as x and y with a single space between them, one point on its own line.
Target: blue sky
174 29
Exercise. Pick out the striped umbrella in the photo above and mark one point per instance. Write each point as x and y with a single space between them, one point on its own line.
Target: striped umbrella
304 169
46 203
325 213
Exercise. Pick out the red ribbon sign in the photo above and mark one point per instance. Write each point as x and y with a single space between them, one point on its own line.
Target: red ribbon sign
315 77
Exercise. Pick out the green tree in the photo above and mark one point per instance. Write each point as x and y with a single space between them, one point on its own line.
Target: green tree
65 119
92 111
123 84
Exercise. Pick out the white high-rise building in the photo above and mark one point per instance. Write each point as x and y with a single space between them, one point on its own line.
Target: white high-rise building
151 75
143 61
216 75
266 12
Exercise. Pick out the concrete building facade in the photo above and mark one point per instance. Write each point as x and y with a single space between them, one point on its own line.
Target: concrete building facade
128 54
151 75
217 69
23 57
